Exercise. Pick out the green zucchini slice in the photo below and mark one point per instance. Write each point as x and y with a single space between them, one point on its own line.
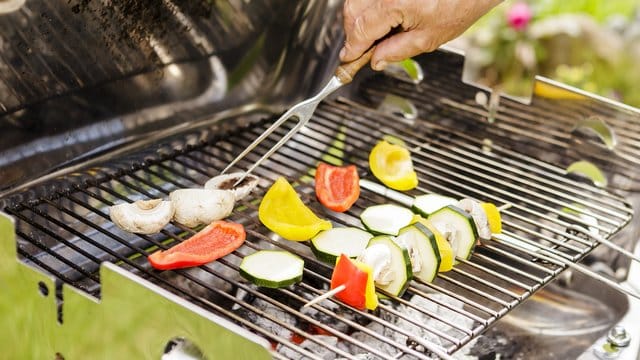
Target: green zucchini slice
272 268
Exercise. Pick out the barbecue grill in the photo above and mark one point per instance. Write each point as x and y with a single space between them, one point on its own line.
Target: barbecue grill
172 109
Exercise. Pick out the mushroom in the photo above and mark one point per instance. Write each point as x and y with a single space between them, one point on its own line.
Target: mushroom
378 256
142 216
201 206
479 217
227 181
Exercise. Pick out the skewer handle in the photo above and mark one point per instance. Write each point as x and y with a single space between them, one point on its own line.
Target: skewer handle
326 295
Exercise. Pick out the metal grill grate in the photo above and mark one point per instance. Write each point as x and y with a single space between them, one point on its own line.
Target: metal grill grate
66 231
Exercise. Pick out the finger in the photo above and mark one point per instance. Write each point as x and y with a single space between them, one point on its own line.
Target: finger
370 25
351 10
402 46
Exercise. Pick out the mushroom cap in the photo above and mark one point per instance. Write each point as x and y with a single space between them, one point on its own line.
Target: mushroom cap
201 206
142 216
226 182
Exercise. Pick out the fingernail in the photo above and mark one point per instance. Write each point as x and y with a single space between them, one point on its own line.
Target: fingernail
380 65
343 52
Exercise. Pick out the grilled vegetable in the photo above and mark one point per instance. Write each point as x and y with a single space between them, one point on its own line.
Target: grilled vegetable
272 268
392 165
493 217
226 182
282 211
356 277
337 187
201 206
212 242
386 219
390 263
458 228
142 216
479 216
423 250
329 244
429 203
444 248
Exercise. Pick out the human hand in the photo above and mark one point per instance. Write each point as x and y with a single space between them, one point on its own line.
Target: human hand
423 26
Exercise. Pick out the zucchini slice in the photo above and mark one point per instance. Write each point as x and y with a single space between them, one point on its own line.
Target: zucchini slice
427 204
329 244
459 229
272 268
423 250
399 264
386 219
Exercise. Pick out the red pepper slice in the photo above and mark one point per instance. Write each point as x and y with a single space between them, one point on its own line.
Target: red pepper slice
213 242
359 289
337 187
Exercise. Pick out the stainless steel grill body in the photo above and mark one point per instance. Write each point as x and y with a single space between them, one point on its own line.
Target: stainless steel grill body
63 229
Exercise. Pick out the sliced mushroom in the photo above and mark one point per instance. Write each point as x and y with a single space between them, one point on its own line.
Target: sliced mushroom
378 256
226 182
142 216
201 206
479 217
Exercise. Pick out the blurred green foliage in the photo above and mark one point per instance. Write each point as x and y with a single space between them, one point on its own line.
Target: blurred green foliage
593 45
598 9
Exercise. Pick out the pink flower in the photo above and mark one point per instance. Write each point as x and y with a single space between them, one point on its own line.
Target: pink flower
519 16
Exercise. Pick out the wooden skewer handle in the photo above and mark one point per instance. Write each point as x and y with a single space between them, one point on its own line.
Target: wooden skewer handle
347 71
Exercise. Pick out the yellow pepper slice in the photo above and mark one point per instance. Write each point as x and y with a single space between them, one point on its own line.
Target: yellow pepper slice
370 296
446 252
392 165
282 212
493 216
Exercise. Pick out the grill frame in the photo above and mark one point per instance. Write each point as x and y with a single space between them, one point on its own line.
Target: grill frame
198 156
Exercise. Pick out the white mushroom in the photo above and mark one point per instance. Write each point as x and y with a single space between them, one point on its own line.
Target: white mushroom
449 233
409 242
378 256
226 182
142 216
201 206
479 217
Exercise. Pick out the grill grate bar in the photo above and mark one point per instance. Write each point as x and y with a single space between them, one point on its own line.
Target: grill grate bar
486 282
475 290
40 245
499 275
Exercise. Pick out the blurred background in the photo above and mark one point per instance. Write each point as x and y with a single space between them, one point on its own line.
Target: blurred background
593 45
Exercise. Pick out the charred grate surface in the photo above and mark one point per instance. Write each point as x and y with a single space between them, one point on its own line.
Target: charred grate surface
68 233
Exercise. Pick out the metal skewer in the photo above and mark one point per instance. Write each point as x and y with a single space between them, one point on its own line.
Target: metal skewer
553 258
605 242
302 111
